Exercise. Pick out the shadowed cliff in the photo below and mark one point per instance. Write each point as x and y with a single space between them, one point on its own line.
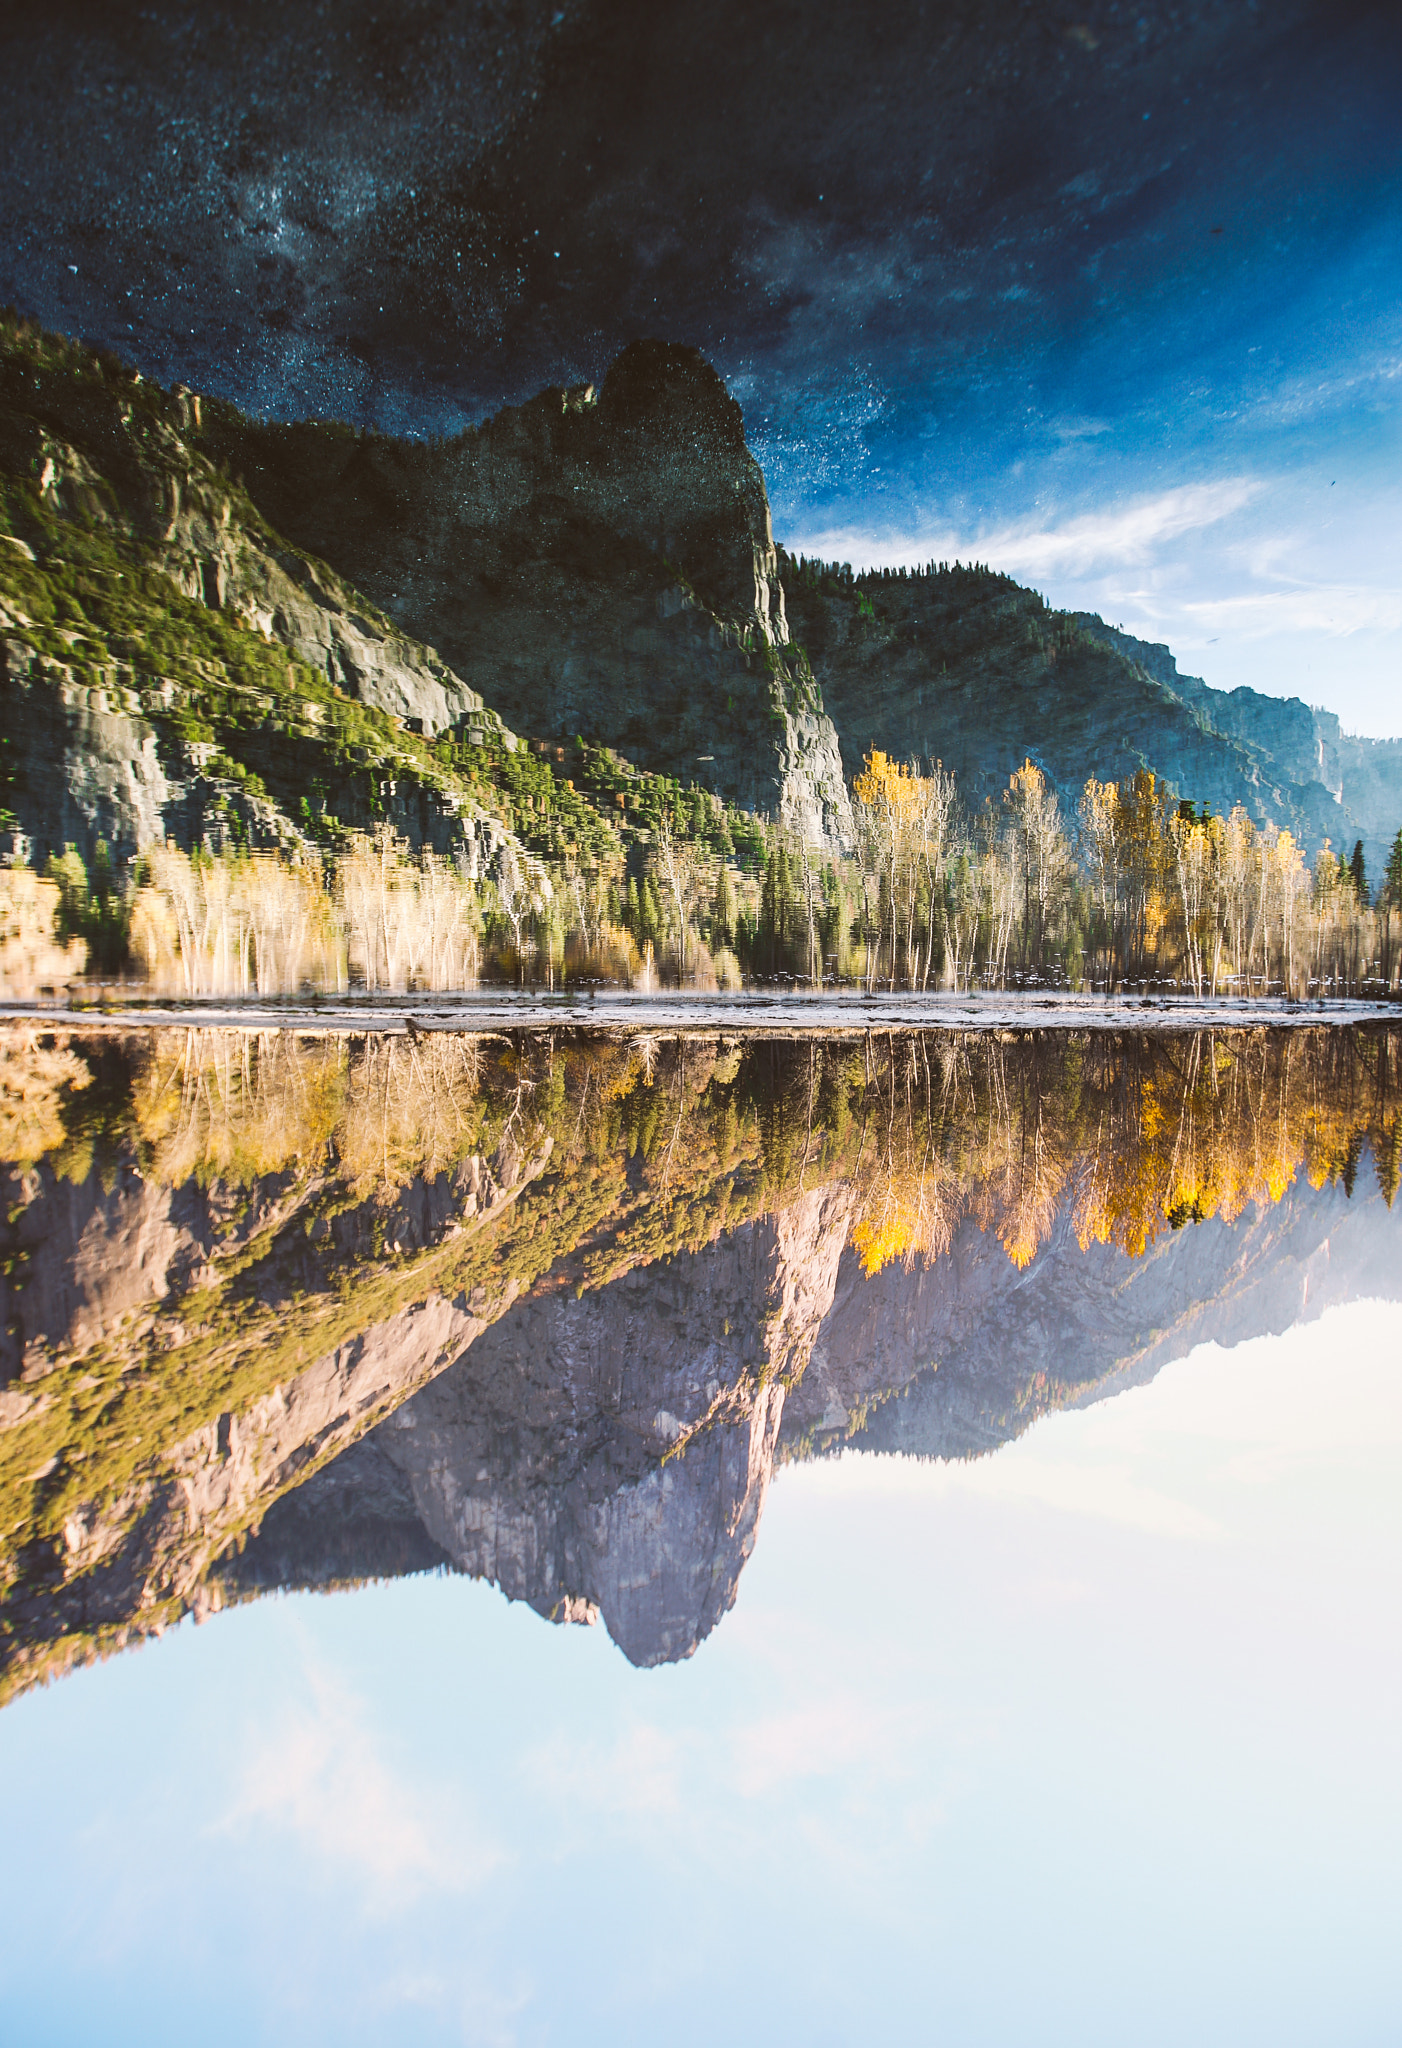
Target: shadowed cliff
217 629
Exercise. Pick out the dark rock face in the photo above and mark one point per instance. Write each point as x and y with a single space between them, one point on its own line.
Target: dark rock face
591 562
604 563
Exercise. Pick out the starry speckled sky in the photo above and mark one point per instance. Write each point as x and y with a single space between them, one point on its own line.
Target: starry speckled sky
1107 294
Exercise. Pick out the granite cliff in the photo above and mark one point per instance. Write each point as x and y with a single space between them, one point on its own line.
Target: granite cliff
170 667
600 560
223 629
538 1461
606 1456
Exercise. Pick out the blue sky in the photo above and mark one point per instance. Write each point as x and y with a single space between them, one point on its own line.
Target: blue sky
1089 1742
1106 295
1194 429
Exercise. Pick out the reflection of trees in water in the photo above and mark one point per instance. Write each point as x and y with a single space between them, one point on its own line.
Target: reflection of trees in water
313 1205
1139 1133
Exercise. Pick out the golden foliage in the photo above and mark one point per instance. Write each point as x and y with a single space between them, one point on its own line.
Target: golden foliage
31 958
35 1075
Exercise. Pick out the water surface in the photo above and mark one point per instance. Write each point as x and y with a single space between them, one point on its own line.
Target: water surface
963 1466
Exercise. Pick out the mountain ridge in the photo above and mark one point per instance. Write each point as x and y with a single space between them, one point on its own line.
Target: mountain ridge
892 660
598 568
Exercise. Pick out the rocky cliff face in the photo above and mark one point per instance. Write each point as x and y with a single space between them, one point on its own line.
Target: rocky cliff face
201 1312
611 1456
101 741
602 1456
596 562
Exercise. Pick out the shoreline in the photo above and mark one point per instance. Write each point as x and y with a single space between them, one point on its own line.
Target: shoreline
674 1012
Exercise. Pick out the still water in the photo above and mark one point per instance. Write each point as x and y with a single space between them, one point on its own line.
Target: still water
962 1469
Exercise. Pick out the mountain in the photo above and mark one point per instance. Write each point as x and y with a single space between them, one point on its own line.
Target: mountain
216 628
533 1461
595 561
602 560
961 664
171 668
1294 739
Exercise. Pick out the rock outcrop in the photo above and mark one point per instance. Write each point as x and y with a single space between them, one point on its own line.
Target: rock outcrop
596 564
100 1255
608 1455
596 561
98 747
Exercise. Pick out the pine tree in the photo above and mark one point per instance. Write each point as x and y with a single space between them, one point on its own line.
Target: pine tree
723 908
1358 873
1392 876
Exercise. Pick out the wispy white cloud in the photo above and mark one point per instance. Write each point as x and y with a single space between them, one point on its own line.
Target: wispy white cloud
320 1777
838 1735
1330 608
1127 533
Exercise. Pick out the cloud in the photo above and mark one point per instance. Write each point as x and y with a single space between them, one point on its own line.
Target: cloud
320 1777
639 1774
832 1737
1128 533
1287 609
1329 608
1122 534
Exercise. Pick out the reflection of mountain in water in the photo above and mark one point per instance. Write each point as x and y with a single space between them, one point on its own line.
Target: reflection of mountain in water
284 1313
534 1461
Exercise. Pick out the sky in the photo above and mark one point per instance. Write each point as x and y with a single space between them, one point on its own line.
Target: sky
1107 294
1087 1742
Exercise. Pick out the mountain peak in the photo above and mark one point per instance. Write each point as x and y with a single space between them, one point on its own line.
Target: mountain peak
665 385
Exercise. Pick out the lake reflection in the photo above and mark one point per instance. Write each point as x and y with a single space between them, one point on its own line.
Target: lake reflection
1076 1734
305 1311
